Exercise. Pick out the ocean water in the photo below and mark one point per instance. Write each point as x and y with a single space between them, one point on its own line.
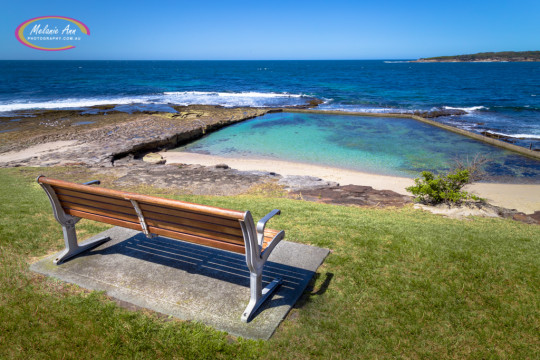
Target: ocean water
389 146
502 98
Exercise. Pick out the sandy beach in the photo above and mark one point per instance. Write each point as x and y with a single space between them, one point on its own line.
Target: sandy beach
522 197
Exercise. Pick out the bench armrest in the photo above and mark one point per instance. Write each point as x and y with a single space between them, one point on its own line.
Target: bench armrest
92 182
262 224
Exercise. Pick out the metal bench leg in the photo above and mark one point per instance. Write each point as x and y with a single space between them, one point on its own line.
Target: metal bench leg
258 295
68 227
72 247
255 260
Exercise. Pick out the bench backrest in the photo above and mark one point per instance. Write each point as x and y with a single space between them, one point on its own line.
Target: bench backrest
201 224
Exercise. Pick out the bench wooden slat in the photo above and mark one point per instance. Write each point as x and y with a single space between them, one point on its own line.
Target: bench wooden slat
92 197
154 219
232 214
158 224
199 240
232 223
164 232
98 204
268 236
212 219
108 217
105 219
87 209
68 207
236 231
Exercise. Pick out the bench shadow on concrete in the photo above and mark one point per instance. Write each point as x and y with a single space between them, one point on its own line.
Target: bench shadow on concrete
215 263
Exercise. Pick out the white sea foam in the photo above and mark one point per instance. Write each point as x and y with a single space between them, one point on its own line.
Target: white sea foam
227 99
254 99
360 109
249 94
472 108
516 136
66 103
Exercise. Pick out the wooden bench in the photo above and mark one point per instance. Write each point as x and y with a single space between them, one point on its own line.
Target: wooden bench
206 225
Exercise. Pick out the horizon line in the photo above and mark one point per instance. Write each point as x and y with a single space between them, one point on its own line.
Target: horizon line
382 59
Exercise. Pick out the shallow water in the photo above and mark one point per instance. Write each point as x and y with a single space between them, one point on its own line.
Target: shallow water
388 146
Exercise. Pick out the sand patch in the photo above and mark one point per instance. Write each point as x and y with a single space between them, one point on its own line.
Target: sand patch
522 197
37 150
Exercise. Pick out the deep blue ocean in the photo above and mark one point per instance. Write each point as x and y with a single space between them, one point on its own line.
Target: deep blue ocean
501 98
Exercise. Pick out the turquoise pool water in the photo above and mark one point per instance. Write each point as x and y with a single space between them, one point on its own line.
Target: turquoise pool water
388 146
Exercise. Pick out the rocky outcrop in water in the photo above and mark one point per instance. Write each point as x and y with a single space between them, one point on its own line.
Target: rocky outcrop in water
435 113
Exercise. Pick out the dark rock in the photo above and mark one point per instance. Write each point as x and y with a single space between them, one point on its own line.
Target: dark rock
524 218
222 166
535 216
439 112
311 103
353 195
495 136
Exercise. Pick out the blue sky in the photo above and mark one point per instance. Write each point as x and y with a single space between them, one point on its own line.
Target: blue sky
228 30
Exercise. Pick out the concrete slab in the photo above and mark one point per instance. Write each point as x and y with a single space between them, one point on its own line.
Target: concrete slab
189 281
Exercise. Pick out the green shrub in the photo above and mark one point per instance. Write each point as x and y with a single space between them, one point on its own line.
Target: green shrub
438 189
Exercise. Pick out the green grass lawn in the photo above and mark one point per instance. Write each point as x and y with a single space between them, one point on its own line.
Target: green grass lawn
399 283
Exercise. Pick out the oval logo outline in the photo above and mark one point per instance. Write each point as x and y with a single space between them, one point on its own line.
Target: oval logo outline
19 32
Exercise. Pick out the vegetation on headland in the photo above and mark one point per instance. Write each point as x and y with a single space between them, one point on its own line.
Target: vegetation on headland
399 283
512 56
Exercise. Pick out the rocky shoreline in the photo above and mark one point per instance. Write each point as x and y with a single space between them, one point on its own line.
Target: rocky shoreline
123 147
107 137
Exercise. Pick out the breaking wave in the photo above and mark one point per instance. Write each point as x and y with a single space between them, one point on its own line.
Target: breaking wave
516 136
467 109
226 99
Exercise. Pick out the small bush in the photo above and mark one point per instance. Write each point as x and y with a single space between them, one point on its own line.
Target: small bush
438 189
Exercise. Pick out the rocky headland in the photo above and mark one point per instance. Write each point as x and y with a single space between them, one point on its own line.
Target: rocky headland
503 56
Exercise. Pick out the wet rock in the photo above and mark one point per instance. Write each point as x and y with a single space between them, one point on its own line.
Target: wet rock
311 103
430 114
222 166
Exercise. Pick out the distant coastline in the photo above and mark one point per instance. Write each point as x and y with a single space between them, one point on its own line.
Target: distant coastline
503 56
